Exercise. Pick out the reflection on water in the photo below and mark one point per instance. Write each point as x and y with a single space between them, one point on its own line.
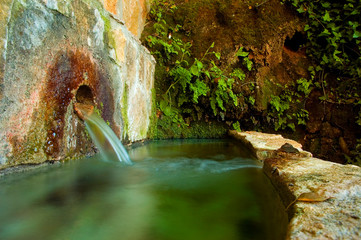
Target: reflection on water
175 190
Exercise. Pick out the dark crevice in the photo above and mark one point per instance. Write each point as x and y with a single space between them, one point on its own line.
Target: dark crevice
295 42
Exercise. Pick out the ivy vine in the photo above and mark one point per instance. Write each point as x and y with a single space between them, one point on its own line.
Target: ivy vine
333 31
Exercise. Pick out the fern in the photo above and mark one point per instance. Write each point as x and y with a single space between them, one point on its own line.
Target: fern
190 80
199 88
181 75
237 126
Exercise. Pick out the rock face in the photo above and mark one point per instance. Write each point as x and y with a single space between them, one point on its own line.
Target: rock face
132 12
58 52
333 208
268 30
331 130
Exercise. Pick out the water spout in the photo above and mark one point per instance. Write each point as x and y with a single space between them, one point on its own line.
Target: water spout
103 136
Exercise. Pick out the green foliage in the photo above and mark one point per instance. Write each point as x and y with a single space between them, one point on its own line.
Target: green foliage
222 93
334 43
334 27
244 55
304 86
333 32
193 88
237 126
355 157
357 152
287 110
279 107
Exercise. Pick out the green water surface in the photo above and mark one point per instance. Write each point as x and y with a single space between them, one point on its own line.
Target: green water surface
175 190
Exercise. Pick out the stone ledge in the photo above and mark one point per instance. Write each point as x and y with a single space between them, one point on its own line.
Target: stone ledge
336 215
263 145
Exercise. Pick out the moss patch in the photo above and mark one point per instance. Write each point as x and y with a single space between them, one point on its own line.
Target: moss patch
199 129
124 111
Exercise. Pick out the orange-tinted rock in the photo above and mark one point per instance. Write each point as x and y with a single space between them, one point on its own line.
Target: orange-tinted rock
83 110
131 15
120 46
111 6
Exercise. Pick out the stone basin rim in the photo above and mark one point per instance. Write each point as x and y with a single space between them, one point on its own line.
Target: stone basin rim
338 216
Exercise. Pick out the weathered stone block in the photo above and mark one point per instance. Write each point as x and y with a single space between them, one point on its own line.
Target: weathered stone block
263 145
59 52
5 10
334 213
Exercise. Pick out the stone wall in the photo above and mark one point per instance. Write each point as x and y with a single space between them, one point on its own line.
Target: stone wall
132 12
56 52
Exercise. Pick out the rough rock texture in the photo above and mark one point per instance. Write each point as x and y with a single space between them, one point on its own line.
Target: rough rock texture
132 12
331 130
55 53
269 31
335 212
264 145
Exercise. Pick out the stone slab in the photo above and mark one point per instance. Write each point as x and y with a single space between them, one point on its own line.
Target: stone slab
263 145
335 212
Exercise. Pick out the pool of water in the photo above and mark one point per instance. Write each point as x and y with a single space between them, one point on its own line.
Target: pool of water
210 189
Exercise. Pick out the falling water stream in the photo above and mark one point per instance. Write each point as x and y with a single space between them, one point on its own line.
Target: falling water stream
105 139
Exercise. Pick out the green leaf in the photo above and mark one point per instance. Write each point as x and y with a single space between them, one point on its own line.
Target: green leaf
218 55
237 72
194 70
356 34
251 100
168 111
199 88
355 12
292 126
275 101
163 104
326 17
241 53
336 57
353 24
237 126
325 33
325 4
199 64
207 74
325 59
181 75
249 64
301 9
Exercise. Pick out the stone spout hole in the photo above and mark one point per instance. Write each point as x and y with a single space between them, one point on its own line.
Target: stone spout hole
84 95
84 105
